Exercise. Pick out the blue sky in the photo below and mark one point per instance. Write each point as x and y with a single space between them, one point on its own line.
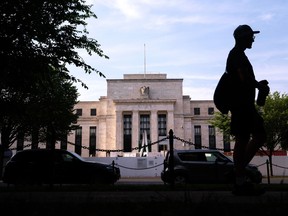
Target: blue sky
187 39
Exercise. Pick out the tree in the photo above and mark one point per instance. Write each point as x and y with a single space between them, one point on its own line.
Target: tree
222 122
44 32
38 37
46 115
275 114
50 111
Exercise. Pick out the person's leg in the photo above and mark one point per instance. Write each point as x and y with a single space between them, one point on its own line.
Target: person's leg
258 137
239 158
253 146
242 126
243 154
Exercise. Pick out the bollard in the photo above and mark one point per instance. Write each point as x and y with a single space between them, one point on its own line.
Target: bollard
171 158
268 173
113 165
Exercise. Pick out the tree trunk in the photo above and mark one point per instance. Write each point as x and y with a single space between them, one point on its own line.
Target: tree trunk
1 160
270 161
35 138
51 138
5 133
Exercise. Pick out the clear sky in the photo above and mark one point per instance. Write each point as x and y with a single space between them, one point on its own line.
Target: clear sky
187 39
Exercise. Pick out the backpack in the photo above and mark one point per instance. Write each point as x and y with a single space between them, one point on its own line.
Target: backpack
222 97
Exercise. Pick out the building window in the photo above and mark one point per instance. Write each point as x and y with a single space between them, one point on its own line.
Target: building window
78 140
93 112
92 141
212 138
196 111
127 133
79 112
162 131
162 125
197 136
211 111
144 130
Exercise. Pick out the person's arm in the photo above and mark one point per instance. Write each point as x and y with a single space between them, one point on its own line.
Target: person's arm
245 78
263 86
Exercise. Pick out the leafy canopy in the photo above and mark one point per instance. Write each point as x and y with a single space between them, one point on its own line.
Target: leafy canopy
35 34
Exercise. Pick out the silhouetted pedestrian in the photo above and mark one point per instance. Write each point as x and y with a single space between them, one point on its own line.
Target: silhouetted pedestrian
246 124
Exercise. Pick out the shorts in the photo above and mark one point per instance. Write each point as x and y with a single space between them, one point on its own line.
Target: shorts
246 122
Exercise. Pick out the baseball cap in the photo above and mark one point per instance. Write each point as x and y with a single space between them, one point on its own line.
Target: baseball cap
243 30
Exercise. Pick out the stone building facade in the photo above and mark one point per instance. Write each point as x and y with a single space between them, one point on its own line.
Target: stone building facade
141 109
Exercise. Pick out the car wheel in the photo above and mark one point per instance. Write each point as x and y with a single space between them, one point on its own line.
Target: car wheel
180 179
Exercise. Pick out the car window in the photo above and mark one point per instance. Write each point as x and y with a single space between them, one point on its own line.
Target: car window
41 157
31 156
210 157
22 157
192 156
222 157
67 157
62 157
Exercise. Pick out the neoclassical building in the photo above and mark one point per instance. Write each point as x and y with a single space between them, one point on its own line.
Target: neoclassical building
141 109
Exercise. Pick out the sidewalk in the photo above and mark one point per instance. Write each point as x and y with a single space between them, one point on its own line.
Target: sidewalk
145 202
142 203
275 180
157 180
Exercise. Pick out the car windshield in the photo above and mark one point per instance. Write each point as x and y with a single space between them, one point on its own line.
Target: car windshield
77 156
203 156
222 157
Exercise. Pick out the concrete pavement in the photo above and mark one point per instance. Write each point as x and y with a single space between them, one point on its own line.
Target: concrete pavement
142 203
148 202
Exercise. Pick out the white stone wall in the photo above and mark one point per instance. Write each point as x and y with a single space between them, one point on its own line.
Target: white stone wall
152 166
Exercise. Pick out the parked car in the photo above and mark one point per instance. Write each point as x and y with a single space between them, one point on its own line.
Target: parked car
43 166
204 166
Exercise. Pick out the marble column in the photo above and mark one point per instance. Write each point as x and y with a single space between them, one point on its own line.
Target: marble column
154 129
119 130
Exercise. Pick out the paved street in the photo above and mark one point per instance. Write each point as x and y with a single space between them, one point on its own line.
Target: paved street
145 202
158 181
148 202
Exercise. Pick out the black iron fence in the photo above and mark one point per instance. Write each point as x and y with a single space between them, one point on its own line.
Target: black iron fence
171 137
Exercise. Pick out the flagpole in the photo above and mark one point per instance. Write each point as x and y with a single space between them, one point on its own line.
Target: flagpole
144 60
